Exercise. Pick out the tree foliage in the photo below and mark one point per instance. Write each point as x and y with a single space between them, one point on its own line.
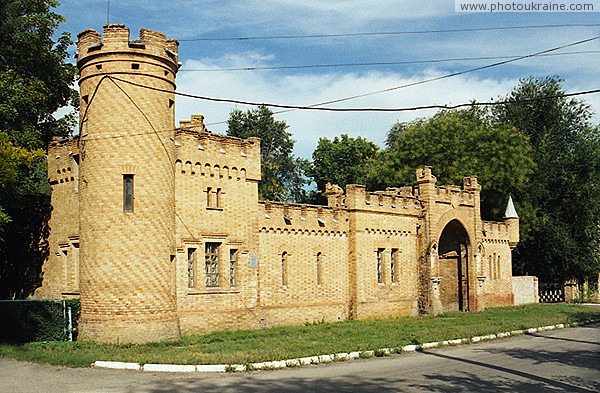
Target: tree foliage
341 161
560 205
456 144
35 81
282 173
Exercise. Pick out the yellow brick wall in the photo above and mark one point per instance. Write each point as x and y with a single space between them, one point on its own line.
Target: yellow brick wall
193 188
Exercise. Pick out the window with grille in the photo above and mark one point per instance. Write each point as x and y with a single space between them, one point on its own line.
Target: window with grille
380 265
233 254
128 193
191 257
211 258
393 264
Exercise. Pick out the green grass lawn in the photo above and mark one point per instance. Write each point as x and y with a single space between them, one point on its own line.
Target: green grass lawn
279 343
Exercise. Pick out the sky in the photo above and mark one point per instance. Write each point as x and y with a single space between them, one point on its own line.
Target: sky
309 33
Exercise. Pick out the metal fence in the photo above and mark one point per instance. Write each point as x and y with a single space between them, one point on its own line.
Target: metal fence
551 293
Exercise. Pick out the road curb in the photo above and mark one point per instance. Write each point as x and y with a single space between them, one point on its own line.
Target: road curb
278 364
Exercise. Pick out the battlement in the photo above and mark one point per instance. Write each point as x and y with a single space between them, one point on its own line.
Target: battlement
402 200
63 160
455 194
116 38
300 218
495 230
202 152
151 54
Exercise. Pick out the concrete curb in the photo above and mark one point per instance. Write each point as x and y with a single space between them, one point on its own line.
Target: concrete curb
277 364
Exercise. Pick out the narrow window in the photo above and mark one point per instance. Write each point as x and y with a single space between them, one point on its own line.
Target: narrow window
218 198
212 264
128 193
284 268
319 268
491 267
209 197
498 270
191 257
380 265
393 264
232 267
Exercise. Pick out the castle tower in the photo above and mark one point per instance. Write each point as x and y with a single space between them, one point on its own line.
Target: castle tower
127 190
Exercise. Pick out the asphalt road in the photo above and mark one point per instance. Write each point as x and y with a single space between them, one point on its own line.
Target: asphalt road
566 360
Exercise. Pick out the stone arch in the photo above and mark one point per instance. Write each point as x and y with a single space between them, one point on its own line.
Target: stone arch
454 255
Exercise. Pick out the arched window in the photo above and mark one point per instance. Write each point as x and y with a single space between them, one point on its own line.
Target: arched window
284 268
319 268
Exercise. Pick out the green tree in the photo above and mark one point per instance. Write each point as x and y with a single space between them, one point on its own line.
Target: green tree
457 143
35 81
282 173
560 205
340 161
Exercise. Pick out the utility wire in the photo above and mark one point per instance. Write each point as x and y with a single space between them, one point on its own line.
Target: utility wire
445 107
387 33
318 106
385 63
456 73
329 109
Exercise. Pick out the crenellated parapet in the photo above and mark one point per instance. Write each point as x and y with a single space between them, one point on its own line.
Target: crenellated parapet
402 201
203 153
299 218
63 161
154 48
495 232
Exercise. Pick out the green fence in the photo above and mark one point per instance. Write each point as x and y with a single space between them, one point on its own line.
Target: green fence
24 321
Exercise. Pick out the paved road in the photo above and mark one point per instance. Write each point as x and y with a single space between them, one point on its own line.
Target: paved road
566 360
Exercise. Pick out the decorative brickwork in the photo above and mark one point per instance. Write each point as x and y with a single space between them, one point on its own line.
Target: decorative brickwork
160 231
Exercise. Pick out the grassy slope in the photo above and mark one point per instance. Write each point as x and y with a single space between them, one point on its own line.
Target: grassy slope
278 343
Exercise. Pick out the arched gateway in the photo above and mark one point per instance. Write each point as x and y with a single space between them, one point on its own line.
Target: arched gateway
454 261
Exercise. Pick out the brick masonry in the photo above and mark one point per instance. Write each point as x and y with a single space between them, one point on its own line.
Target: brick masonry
165 268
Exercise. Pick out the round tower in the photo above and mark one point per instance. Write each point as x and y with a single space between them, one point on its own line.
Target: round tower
127 186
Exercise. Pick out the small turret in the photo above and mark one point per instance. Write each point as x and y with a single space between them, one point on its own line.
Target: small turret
512 219
426 181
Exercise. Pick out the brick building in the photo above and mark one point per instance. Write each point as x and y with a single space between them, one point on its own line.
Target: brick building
160 232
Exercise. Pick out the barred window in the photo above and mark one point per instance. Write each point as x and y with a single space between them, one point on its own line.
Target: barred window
211 263
128 193
232 266
380 265
191 257
393 264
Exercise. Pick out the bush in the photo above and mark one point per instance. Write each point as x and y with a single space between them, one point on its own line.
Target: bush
23 321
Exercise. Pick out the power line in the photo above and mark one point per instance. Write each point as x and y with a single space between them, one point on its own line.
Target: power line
456 73
319 106
404 109
387 33
329 109
385 63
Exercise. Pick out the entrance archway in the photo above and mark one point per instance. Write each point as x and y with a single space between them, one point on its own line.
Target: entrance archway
454 267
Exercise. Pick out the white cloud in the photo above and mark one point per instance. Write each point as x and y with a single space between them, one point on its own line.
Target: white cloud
308 126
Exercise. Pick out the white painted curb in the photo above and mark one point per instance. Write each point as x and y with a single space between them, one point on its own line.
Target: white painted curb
171 368
221 368
117 365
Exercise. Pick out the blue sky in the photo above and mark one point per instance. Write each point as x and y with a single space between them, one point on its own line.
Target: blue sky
191 20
